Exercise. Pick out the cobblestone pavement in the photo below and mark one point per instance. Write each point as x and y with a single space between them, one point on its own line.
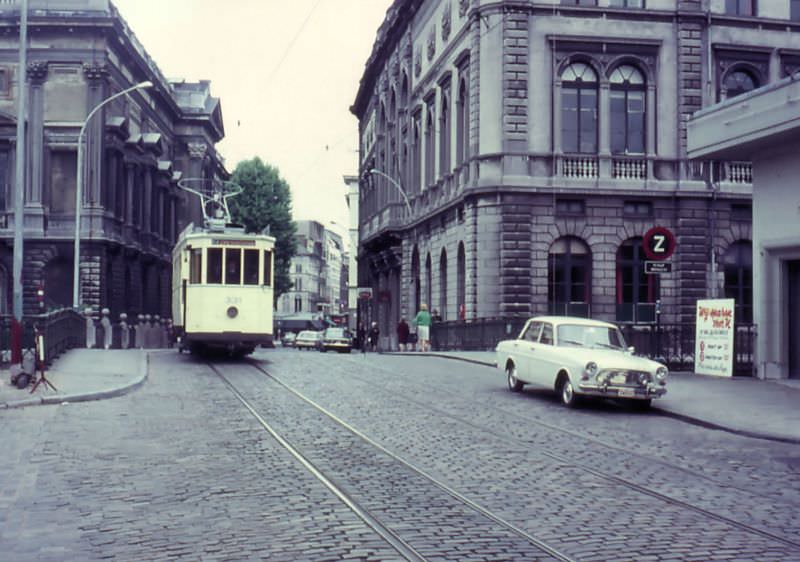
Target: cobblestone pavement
180 470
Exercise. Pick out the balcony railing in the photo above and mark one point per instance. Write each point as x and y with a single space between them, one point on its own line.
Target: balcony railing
738 172
581 167
627 168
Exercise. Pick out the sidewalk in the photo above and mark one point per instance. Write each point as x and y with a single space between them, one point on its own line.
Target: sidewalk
80 375
767 409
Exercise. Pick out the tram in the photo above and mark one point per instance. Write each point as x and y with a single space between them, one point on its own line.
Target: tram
222 278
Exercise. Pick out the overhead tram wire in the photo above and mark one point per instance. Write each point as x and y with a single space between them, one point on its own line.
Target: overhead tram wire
292 42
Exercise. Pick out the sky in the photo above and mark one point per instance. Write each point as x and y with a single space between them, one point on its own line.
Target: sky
286 72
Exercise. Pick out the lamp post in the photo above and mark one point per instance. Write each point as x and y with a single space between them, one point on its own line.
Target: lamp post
394 183
79 189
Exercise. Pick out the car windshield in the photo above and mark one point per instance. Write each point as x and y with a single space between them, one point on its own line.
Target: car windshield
308 335
577 335
335 333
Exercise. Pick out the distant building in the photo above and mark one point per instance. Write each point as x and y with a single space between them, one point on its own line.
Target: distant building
316 272
764 126
352 198
81 52
539 142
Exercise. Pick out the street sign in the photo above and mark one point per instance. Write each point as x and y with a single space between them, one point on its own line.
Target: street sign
659 243
657 267
365 293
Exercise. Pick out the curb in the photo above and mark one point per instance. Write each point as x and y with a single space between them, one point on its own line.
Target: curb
656 408
86 396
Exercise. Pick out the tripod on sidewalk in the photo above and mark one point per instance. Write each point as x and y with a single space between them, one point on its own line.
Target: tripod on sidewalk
39 359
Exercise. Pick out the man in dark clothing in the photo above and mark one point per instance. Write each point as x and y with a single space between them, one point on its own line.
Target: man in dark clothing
402 334
374 334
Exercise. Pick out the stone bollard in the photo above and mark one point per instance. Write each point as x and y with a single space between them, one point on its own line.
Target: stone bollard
139 332
168 333
91 335
105 322
124 333
158 328
148 331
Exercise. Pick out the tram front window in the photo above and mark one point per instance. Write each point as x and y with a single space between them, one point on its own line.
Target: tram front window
196 266
267 267
233 266
251 267
214 271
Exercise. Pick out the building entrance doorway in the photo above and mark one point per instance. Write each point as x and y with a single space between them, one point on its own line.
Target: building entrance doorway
794 318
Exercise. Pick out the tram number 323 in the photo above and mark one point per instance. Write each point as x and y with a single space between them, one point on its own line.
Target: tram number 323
233 300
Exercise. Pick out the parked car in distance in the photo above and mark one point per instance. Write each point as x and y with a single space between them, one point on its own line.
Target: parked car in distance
308 339
288 339
337 339
579 358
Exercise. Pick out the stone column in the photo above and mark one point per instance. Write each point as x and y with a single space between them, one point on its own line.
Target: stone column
37 75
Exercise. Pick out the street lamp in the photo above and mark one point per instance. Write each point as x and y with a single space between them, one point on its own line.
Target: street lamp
79 188
394 183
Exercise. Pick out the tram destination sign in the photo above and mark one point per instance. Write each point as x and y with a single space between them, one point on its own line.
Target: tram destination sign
657 267
232 242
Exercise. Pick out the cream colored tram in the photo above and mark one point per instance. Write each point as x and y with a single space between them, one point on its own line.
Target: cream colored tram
222 289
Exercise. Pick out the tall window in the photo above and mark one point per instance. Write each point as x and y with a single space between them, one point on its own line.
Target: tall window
444 136
443 284
738 264
462 124
794 10
569 276
416 157
428 283
739 82
430 149
740 7
627 96
461 282
636 291
579 109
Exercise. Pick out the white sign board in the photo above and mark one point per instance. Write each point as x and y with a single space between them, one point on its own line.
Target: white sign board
713 350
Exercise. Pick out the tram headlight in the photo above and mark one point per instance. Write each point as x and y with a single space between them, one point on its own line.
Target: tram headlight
233 312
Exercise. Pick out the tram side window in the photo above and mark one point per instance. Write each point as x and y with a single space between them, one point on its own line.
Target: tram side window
233 266
251 267
214 271
267 267
196 266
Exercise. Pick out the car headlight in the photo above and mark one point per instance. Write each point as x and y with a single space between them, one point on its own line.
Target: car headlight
661 374
590 369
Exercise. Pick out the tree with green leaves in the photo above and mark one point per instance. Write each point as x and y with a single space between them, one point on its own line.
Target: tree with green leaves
266 202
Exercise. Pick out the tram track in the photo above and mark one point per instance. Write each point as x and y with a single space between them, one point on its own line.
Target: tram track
617 480
384 530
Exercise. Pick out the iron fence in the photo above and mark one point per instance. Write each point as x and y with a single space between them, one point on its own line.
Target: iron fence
62 330
674 344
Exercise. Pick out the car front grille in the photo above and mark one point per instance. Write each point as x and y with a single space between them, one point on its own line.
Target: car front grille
628 378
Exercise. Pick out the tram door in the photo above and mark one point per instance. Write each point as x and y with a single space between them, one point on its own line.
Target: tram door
794 318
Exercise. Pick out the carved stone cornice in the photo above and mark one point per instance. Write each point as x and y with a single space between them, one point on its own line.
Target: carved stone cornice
95 71
196 150
37 71
463 6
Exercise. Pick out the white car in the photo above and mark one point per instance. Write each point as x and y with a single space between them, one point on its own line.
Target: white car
579 358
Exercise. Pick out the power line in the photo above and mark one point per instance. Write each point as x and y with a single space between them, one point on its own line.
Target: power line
292 42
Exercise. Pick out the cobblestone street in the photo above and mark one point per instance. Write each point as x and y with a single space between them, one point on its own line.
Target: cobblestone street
437 461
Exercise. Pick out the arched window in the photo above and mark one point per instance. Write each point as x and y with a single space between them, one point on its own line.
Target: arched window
428 282
569 277
444 136
416 157
579 109
461 282
738 267
430 149
443 284
415 288
627 118
739 82
637 291
462 124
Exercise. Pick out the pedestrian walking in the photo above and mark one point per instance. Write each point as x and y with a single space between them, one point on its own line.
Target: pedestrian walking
403 332
374 334
423 323
361 336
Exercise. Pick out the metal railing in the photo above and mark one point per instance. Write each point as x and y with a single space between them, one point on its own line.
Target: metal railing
62 330
674 344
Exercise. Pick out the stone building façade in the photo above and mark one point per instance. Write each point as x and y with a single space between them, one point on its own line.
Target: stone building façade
137 147
538 142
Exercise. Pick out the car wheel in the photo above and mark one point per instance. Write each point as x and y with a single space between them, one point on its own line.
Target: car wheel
567 394
514 384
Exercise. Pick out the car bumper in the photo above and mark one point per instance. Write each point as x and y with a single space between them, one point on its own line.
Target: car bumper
612 391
